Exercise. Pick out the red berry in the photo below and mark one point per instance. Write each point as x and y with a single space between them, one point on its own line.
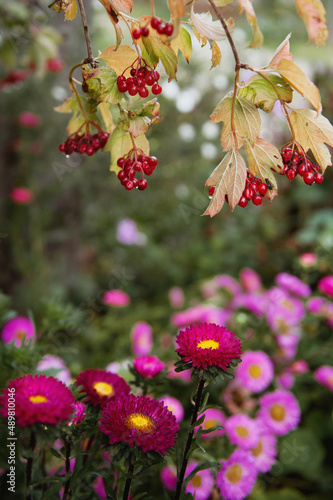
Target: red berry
135 182
145 31
152 161
90 151
141 74
168 29
142 184
133 72
291 174
138 166
156 89
121 78
243 202
309 178
286 154
122 175
155 22
143 92
150 79
211 191
319 178
248 193
140 82
156 75
257 200
160 28
262 188
62 147
301 169
121 162
122 86
129 185
96 143
132 89
83 148
136 33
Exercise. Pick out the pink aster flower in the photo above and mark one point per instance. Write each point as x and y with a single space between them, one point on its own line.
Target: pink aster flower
201 484
237 399
29 120
169 477
299 367
101 386
237 476
308 259
176 296
128 234
139 421
324 375
142 338
242 431
293 284
279 412
229 283
250 280
79 413
213 417
293 308
256 371
116 298
264 454
174 406
316 305
285 379
184 376
189 316
288 345
254 302
18 330
206 345
325 285
148 366
21 195
38 399
55 365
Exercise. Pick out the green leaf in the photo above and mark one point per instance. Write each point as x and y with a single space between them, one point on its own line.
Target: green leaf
246 118
160 51
229 179
262 94
120 143
140 122
183 43
56 454
108 91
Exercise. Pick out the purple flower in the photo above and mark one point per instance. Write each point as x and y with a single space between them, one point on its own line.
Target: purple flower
250 280
279 412
18 330
174 406
128 234
201 484
324 375
256 371
293 284
265 452
288 345
325 285
237 476
176 296
116 298
79 409
285 379
213 417
299 367
256 303
315 305
169 477
142 338
293 308
229 283
54 366
148 366
308 259
242 431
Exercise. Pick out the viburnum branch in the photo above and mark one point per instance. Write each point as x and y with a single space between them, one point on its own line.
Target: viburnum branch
74 90
90 59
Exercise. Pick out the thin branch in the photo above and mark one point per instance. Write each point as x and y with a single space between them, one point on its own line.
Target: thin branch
90 59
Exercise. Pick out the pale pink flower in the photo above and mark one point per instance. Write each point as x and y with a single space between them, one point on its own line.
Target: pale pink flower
148 366
141 338
116 298
201 484
250 280
176 296
279 412
237 475
175 406
56 367
324 375
308 259
256 371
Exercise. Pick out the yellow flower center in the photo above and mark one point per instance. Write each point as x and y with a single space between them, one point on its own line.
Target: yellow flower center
196 481
103 388
278 412
258 449
209 423
255 371
208 344
242 431
234 473
142 423
37 399
20 335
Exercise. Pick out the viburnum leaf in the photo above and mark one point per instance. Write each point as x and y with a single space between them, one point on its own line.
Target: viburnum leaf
140 122
216 55
205 25
247 121
201 39
71 105
262 94
70 9
229 179
257 39
293 75
263 157
114 19
118 58
123 5
177 12
104 108
108 91
120 143
312 132
182 42
314 15
282 52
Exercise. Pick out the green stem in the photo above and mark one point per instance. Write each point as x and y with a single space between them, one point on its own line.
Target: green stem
128 481
68 469
28 476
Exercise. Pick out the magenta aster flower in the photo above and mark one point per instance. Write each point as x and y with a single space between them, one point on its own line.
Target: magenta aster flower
169 477
279 412
325 285
101 386
148 366
174 406
142 338
324 375
250 280
139 421
213 417
299 367
18 330
201 484
38 399
237 476
116 298
254 302
265 452
189 316
242 431
206 345
21 195
285 379
293 284
79 413
256 371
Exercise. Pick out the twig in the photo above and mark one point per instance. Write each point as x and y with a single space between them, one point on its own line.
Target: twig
90 59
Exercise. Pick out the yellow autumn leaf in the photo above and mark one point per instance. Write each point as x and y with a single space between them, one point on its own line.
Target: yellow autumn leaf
104 108
313 132
118 58
120 143
282 52
70 9
229 179
314 16
216 55
293 75
123 5
182 42
201 39
257 39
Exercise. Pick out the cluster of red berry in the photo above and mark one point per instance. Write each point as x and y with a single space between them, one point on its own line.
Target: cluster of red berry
296 162
142 76
159 25
132 163
254 190
84 143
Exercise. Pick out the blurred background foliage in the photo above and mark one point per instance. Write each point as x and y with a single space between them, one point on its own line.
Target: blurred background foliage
63 248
